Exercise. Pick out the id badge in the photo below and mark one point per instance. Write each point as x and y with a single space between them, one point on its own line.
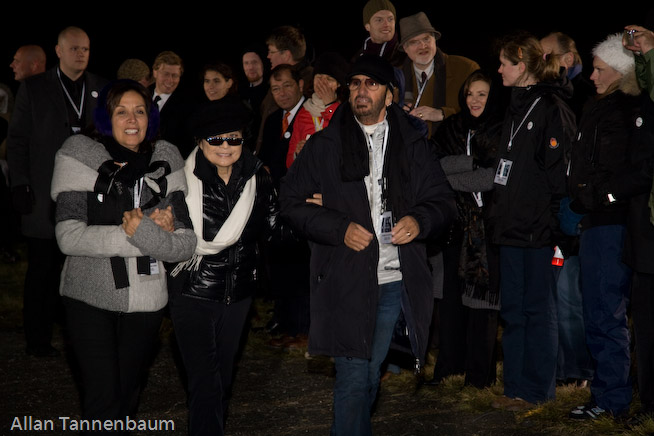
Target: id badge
386 227
154 266
503 171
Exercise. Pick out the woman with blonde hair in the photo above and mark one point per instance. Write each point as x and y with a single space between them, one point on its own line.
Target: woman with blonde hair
530 181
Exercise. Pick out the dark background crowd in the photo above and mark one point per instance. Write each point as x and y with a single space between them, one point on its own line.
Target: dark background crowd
200 34
200 31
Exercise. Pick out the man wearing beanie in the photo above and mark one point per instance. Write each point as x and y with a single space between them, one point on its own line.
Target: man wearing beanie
379 20
383 196
600 179
432 78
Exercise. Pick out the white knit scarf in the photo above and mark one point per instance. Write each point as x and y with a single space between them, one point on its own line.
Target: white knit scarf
231 229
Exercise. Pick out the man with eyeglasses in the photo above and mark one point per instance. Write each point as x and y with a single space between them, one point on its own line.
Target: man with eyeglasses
287 261
383 195
432 78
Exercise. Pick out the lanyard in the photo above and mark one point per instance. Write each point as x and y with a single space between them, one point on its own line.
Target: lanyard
70 99
318 123
475 195
382 180
381 51
138 190
420 91
513 133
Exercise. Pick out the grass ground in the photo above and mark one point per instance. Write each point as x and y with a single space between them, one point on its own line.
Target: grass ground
283 393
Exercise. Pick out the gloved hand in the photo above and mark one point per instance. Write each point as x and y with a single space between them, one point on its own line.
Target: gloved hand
568 219
22 199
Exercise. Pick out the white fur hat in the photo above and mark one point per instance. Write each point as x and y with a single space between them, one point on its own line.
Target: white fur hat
614 54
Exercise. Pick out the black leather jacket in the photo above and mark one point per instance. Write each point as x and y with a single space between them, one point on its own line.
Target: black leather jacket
231 275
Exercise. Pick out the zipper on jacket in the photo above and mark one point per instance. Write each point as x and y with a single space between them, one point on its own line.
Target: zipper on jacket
229 280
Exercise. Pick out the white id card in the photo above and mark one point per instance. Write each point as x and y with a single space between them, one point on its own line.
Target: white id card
503 171
386 227
154 266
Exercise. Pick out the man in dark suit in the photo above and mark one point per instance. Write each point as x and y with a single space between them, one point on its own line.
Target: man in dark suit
286 88
288 261
49 108
175 103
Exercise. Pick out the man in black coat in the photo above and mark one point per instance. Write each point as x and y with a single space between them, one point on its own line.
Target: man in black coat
383 195
49 108
288 260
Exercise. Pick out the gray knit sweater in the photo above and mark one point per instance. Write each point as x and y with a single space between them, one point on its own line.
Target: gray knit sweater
87 275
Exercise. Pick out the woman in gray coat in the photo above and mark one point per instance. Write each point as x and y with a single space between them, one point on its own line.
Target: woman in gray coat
120 214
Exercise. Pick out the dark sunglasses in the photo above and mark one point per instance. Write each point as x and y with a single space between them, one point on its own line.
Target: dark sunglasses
230 140
371 84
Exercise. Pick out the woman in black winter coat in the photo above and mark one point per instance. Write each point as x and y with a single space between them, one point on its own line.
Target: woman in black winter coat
601 156
466 144
232 205
530 181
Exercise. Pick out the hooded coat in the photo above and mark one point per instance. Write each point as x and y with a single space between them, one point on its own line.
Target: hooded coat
471 174
344 284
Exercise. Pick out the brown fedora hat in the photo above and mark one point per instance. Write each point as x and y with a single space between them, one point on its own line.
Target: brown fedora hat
415 25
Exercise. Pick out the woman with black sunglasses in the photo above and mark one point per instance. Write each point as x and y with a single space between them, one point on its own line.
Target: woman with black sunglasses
232 205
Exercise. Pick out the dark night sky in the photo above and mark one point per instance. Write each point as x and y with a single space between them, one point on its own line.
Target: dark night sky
214 30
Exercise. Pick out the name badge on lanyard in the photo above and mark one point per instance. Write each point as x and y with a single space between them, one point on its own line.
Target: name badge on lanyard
138 190
386 227
503 171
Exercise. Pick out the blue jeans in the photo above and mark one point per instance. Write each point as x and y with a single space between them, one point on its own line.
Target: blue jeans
605 286
574 361
357 380
530 335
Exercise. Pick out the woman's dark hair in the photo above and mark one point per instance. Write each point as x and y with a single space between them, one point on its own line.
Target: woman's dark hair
224 70
109 99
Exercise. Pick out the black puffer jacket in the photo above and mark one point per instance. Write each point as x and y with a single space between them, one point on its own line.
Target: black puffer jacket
231 275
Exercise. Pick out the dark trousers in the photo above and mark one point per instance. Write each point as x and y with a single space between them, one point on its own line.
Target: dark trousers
112 350
605 288
481 340
288 272
41 300
209 336
574 360
642 313
467 337
530 336
451 315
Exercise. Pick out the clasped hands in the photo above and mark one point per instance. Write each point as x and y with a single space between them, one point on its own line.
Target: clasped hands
358 238
162 217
